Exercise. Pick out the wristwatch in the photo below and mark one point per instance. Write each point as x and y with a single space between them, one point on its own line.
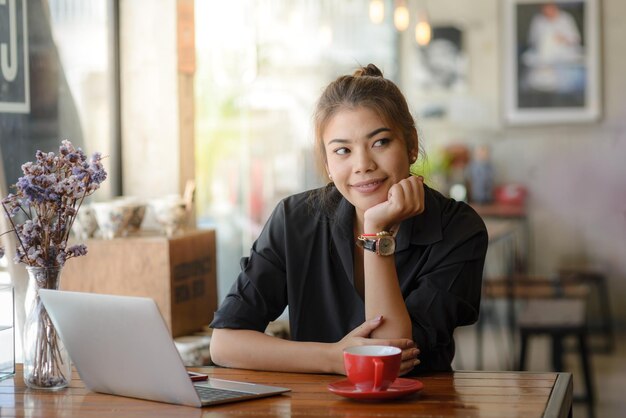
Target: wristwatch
382 243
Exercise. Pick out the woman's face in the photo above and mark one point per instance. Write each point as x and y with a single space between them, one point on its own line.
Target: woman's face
365 157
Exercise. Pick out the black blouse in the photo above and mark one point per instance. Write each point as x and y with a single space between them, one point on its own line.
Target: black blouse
304 256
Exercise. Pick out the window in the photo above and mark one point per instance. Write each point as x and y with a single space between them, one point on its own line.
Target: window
69 66
261 65
58 80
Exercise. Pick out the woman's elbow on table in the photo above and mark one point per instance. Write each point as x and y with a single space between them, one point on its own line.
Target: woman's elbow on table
219 348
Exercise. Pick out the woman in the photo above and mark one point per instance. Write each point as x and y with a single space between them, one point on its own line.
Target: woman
375 257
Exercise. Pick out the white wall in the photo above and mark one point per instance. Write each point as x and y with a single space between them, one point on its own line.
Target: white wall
576 173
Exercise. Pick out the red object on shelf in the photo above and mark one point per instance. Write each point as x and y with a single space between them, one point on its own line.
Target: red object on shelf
511 194
500 210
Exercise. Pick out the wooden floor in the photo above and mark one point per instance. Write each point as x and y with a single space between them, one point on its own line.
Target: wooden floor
609 369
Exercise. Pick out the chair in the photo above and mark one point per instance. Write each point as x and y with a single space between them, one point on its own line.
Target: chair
559 319
601 322
520 288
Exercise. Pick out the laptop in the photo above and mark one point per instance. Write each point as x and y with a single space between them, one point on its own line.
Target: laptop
120 345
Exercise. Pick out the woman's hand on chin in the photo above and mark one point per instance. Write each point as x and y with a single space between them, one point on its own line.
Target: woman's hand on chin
404 200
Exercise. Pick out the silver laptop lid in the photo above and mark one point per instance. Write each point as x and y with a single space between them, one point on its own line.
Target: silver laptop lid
120 345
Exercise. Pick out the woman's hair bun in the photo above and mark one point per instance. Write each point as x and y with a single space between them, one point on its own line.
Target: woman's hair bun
370 70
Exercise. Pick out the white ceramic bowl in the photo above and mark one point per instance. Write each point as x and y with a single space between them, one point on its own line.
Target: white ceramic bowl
138 209
85 224
113 218
171 213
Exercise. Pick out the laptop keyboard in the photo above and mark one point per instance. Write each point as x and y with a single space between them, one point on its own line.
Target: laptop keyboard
212 394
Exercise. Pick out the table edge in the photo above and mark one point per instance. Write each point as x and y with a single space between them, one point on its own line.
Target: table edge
561 398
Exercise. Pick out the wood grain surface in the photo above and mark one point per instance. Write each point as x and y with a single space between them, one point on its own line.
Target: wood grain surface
459 394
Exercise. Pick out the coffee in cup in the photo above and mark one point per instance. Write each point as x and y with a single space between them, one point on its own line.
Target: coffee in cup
372 367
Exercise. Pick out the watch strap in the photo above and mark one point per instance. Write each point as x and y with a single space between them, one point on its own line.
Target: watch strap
369 244
370 241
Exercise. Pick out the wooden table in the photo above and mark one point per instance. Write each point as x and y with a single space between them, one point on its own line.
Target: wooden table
459 394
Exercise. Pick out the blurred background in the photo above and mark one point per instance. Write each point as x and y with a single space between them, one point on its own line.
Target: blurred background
222 93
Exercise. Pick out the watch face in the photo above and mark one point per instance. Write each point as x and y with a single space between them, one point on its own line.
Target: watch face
386 245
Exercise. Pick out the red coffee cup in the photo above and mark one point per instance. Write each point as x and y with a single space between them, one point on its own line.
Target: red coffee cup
372 367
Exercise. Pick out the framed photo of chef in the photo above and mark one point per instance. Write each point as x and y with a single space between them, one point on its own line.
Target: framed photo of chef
551 61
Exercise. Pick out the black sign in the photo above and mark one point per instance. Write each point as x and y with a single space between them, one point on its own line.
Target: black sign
14 88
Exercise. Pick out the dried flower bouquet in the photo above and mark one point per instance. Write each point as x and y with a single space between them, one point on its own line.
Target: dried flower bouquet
41 212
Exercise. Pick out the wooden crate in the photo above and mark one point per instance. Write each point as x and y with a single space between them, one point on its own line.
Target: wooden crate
179 273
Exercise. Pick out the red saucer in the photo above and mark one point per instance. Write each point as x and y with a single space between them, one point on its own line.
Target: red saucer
399 387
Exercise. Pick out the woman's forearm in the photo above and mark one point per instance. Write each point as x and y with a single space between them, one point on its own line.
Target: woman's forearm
247 349
384 297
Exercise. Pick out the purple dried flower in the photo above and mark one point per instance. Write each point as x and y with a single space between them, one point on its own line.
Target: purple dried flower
49 195
77 250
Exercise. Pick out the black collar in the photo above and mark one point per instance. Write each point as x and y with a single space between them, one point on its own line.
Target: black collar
423 229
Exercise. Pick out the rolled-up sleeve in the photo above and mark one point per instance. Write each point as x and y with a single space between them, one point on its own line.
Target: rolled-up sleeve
259 295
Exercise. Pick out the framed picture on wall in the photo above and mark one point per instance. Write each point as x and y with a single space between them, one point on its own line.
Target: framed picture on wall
551 61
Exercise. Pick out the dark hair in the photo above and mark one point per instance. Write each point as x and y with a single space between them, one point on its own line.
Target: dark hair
368 88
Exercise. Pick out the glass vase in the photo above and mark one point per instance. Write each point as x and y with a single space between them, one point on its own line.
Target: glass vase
46 361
